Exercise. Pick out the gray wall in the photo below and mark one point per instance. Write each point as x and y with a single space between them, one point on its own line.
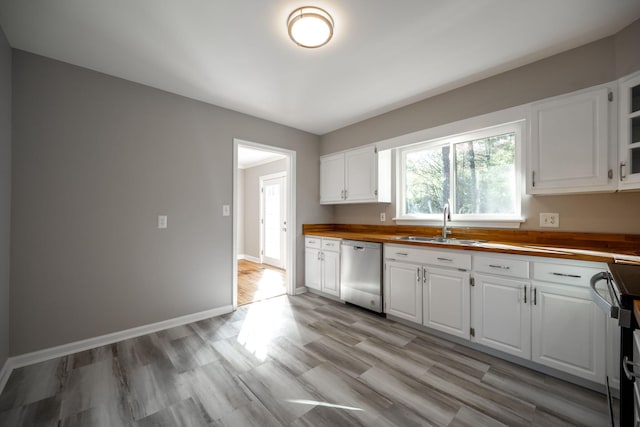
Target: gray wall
5 191
599 62
96 159
252 204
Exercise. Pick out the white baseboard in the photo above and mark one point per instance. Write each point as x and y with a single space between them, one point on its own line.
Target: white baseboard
5 373
300 290
250 258
89 343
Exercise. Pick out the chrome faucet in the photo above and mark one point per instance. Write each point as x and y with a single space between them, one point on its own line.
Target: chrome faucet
446 216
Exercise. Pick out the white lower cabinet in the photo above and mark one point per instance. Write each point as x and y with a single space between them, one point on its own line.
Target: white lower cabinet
568 330
403 290
446 301
533 308
502 314
322 265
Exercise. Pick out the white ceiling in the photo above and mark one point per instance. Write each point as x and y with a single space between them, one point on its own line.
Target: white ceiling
250 157
236 53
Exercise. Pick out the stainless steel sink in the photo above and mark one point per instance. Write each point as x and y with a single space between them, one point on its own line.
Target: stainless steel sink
444 241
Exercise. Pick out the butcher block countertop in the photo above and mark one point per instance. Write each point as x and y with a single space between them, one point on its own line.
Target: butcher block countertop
597 247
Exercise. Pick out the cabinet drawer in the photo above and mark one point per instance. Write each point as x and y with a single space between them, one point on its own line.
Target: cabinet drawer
502 266
331 244
405 253
312 242
453 259
564 273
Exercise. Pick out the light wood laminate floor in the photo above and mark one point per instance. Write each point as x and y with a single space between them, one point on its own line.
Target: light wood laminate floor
257 282
292 361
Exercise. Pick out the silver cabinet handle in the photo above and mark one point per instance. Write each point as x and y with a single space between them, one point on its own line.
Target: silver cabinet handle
445 259
418 274
312 242
424 275
525 294
501 267
318 256
535 296
402 253
328 244
622 174
346 194
626 364
575 276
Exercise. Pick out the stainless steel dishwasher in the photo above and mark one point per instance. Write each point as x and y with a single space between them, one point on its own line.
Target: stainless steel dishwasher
361 274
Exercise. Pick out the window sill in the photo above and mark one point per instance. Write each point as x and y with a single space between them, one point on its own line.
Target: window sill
477 223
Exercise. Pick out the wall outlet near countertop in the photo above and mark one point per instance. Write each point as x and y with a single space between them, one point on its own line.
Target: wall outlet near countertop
550 220
383 217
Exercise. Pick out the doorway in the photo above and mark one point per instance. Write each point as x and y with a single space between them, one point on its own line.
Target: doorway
263 222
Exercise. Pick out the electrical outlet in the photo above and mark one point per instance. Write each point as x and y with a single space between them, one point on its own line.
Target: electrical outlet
383 217
162 221
550 220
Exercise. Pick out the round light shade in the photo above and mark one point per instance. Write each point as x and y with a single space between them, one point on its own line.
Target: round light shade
310 26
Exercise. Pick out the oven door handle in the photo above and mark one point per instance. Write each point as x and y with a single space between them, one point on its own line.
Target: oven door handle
628 367
600 301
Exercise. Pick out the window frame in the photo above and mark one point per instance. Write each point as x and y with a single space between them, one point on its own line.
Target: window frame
486 220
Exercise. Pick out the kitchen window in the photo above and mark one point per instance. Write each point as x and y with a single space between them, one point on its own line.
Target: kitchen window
478 173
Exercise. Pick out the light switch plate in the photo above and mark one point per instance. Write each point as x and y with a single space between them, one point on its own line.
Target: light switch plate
162 221
226 211
383 217
551 220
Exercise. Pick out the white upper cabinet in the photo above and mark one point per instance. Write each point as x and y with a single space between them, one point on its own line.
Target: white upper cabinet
629 133
332 178
362 175
571 147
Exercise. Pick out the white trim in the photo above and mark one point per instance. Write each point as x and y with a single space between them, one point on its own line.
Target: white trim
491 223
89 343
291 215
471 124
5 373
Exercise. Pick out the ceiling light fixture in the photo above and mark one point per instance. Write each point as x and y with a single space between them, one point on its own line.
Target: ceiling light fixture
310 26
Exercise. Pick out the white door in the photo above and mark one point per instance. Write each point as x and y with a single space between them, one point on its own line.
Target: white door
502 314
446 301
403 284
360 174
273 220
570 144
568 331
312 268
629 136
331 273
332 178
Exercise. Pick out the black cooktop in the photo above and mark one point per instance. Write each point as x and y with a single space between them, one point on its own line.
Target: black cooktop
626 278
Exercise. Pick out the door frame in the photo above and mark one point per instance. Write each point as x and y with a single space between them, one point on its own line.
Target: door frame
290 260
261 181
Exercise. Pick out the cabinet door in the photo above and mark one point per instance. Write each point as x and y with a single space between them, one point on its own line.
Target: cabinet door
360 174
629 132
331 273
446 301
502 314
312 268
569 147
332 178
568 330
403 290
